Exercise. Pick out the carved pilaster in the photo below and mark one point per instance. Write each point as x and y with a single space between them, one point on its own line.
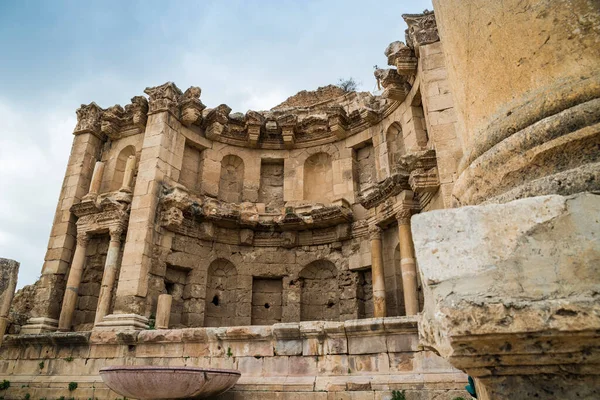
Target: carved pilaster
422 29
88 120
164 98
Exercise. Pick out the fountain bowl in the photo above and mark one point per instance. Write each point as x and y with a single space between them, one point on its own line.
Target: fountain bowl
150 382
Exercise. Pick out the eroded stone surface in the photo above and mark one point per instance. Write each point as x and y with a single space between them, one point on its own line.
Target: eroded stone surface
512 290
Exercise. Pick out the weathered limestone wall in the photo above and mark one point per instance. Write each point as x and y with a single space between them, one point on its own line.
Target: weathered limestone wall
366 359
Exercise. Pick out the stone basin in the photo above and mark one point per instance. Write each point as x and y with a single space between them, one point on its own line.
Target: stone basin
150 382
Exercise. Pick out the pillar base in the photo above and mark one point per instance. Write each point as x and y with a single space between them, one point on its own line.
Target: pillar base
39 325
122 322
511 294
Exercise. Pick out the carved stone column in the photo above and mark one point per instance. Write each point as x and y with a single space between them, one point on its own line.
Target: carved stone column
163 311
379 306
408 263
72 290
110 274
128 175
96 179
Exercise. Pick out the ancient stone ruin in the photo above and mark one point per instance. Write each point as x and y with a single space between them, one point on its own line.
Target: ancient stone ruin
342 245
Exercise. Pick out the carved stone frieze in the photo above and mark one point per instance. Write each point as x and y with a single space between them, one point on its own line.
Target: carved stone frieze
385 189
181 212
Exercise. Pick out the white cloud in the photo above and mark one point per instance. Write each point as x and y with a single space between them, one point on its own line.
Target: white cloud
34 148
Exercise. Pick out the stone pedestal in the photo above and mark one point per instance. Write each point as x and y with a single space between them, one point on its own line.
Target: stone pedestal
122 322
511 294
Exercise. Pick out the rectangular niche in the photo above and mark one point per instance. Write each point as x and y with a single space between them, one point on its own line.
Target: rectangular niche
271 184
191 168
175 281
365 164
364 294
91 278
267 294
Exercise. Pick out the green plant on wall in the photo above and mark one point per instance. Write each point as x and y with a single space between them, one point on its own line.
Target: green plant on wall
398 395
41 365
72 386
4 385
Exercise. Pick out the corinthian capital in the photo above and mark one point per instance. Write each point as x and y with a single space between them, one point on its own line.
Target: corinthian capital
403 216
164 98
422 29
375 232
82 239
115 233
88 119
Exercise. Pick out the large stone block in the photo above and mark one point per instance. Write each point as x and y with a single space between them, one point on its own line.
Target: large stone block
513 288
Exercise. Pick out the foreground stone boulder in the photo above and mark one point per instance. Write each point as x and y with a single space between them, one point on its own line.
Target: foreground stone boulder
512 294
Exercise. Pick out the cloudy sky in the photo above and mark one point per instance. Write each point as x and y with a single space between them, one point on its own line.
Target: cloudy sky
248 54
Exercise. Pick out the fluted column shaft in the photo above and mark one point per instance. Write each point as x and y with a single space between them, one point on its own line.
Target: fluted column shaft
408 263
73 282
110 275
379 305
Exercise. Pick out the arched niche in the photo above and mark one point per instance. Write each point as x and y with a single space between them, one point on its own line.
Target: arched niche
318 178
320 295
231 182
119 172
395 144
221 288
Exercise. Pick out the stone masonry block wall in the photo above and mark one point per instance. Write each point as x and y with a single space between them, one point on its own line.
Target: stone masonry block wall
271 185
231 182
190 168
363 360
89 288
267 295
318 178
221 294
